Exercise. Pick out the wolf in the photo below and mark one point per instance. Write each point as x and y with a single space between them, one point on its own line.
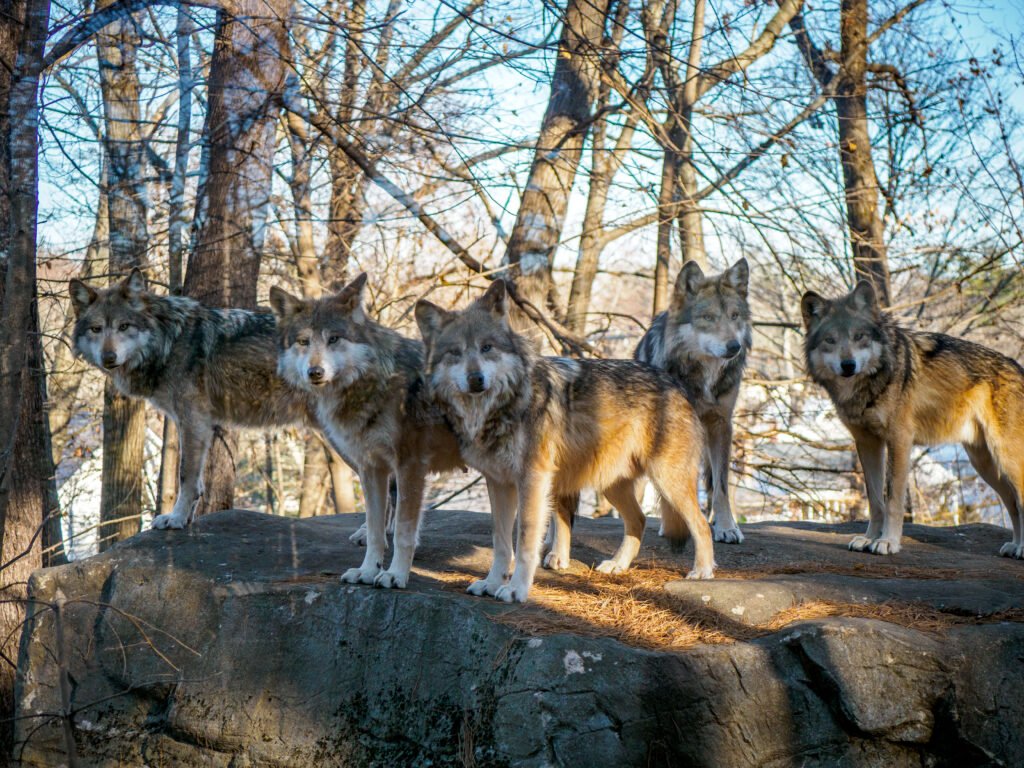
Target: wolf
370 399
540 428
203 367
894 388
703 340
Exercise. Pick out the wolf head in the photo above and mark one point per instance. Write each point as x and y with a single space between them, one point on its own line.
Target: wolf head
472 354
709 316
845 336
323 341
112 326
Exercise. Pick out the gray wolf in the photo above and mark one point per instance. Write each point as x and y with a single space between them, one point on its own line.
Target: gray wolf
894 388
702 340
201 366
540 428
369 397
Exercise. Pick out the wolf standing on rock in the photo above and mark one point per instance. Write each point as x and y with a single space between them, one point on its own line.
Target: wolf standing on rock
702 341
894 389
201 366
367 386
541 427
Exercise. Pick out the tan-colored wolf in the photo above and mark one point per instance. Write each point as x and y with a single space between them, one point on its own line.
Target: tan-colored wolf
541 427
199 365
895 388
366 384
703 340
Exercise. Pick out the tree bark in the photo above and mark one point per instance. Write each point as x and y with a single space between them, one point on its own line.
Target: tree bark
124 418
247 77
26 463
574 88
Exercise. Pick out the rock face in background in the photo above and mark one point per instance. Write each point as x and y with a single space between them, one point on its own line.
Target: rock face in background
234 644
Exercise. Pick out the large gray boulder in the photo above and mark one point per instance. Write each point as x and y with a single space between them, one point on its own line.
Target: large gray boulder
234 644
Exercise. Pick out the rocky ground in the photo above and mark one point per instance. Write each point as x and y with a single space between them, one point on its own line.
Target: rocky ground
234 644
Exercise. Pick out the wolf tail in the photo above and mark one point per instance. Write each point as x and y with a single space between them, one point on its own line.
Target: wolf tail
568 508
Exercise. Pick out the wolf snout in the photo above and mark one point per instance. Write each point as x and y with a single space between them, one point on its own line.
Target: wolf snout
848 367
316 374
732 348
476 382
109 360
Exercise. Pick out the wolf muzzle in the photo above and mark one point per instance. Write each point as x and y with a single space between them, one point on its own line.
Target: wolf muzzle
476 382
109 360
848 367
315 374
732 349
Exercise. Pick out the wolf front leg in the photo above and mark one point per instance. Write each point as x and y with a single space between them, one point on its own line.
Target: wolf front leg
374 480
534 510
504 500
195 434
411 479
898 450
719 436
871 452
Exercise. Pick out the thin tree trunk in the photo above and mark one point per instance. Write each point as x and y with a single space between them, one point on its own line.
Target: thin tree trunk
26 463
574 88
124 419
342 484
247 77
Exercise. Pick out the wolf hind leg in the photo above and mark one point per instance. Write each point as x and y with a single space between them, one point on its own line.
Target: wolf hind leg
680 510
195 433
374 480
719 449
622 496
558 558
1009 490
359 536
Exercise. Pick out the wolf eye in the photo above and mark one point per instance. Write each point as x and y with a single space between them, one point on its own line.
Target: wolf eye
830 339
486 348
124 327
454 353
708 318
95 328
858 336
333 339
734 316
303 342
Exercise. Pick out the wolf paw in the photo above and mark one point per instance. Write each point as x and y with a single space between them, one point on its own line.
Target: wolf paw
511 593
555 562
360 575
359 537
884 547
609 566
707 572
169 521
391 580
728 535
1012 549
483 587
859 543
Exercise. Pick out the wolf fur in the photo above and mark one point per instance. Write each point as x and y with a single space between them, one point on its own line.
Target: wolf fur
702 340
369 397
201 366
539 428
895 388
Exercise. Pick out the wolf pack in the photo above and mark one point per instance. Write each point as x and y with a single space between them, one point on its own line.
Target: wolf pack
473 392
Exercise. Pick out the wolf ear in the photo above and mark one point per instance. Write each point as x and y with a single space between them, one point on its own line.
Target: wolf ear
430 318
863 296
812 307
134 284
687 282
284 304
350 298
495 299
82 296
738 276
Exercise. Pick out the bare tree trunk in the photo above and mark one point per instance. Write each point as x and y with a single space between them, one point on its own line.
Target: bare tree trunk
247 77
341 484
26 463
574 88
124 419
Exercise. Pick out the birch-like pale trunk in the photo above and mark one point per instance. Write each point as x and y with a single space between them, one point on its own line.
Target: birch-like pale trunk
247 78
124 418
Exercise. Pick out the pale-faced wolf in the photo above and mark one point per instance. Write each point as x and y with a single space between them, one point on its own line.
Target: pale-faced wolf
201 366
702 340
541 427
895 388
366 384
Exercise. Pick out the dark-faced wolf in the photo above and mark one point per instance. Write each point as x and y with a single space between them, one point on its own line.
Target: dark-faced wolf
702 340
369 397
542 427
894 389
201 366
